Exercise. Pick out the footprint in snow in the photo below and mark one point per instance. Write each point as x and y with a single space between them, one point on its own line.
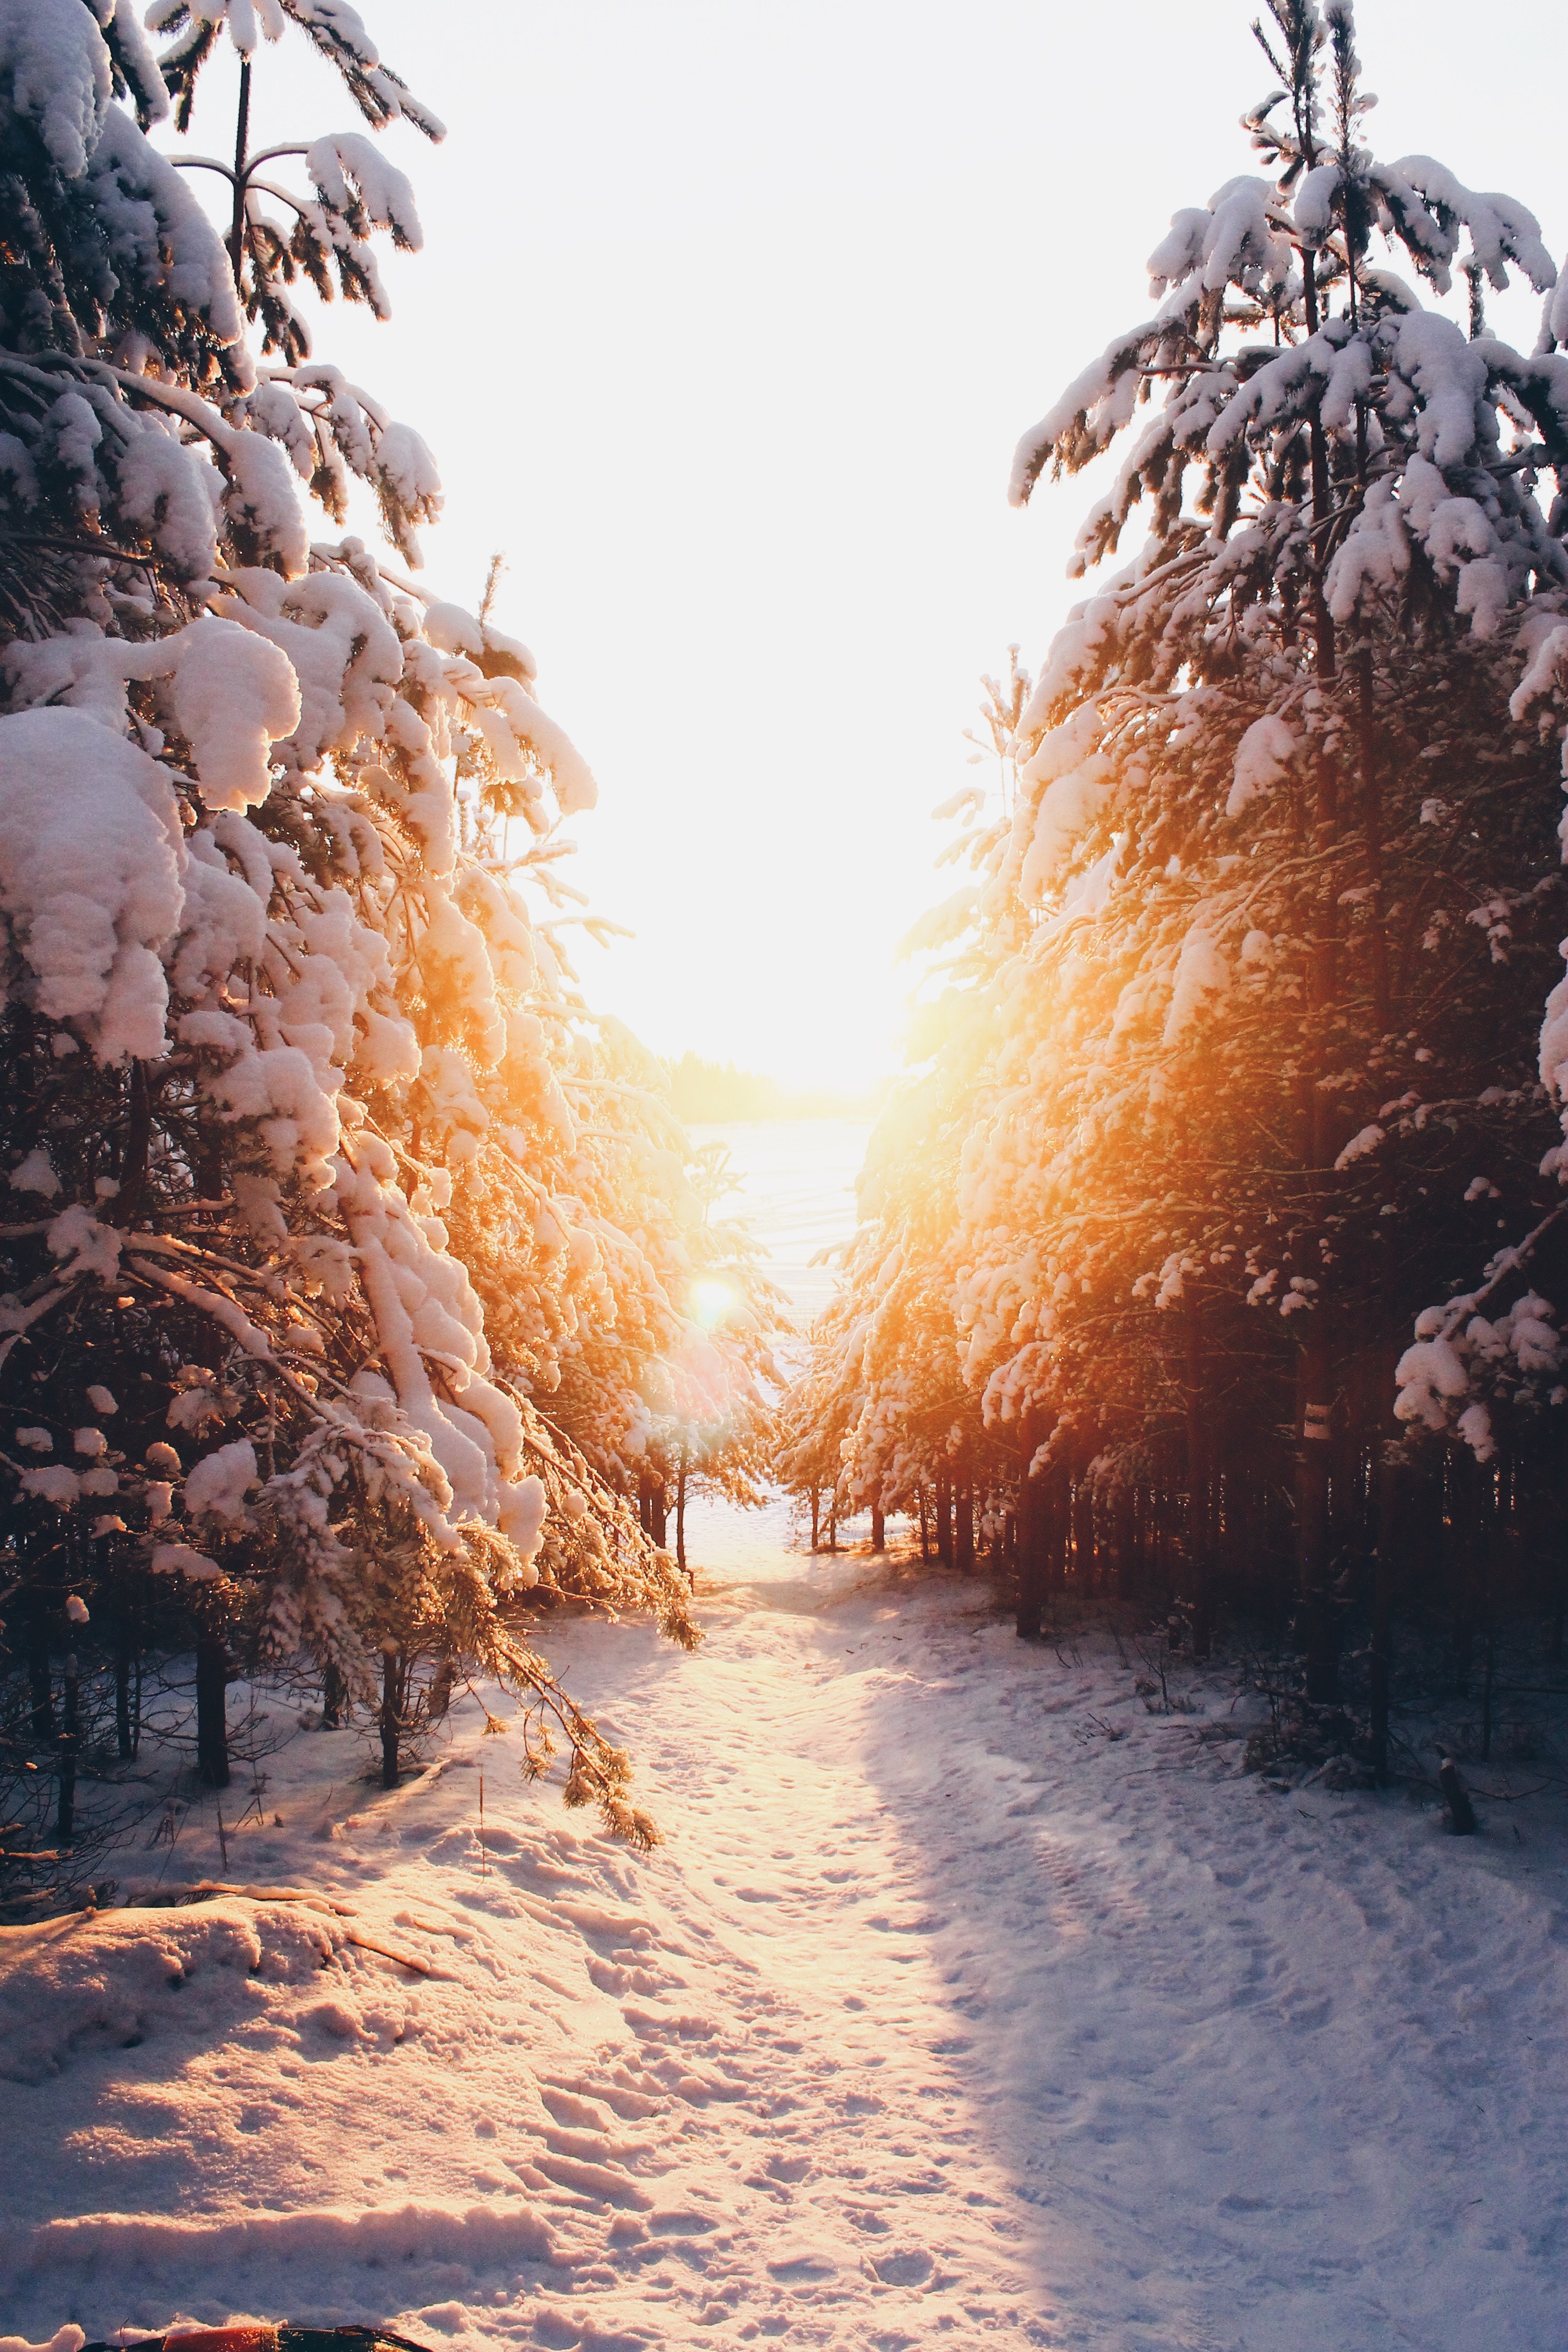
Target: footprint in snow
912 2266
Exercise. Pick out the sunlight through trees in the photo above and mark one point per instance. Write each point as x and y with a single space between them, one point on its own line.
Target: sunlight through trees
1208 1247
351 1264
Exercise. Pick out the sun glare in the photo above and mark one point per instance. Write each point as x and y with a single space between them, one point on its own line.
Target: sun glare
712 1303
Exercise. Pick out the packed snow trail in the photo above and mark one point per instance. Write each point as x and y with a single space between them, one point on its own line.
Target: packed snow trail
941 2012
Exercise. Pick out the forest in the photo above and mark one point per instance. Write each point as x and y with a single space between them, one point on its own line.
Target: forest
354 1265
1207 1251
1210 1253
391 1352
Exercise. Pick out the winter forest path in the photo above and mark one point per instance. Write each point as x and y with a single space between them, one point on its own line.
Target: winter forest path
941 2013
1101 2042
967 2000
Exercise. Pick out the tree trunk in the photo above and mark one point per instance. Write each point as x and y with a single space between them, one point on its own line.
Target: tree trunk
391 1717
1200 1493
1058 1526
658 1511
241 140
138 1143
963 1547
645 1501
124 1746
944 1520
1390 1484
925 1526
1559 1572
879 1529
1204 1515
1498 1502
816 1516
1034 1552
680 1514
1083 1535
1124 1537
1319 1623
1465 1525
40 1685
65 1821
333 1693
212 1710
126 1628
1322 502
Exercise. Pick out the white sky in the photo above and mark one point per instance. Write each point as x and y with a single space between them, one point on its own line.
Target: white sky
728 319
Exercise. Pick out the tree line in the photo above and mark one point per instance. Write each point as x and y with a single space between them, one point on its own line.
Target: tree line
1208 1250
351 1312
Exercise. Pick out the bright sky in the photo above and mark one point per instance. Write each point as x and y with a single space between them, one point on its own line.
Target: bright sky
729 316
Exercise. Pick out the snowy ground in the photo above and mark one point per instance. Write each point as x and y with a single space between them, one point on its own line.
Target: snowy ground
941 2013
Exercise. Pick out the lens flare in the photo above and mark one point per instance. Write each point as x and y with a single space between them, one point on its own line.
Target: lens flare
712 1303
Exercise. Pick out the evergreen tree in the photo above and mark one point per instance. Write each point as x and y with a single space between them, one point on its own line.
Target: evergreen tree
1240 1065
298 1084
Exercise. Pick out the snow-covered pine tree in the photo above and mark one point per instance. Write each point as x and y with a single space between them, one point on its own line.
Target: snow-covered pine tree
1250 1061
639 1321
274 1002
710 1424
881 1416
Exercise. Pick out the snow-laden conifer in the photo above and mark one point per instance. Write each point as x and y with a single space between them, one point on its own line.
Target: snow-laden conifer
299 1078
1239 1065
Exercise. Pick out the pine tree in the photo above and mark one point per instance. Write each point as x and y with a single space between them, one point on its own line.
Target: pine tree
1241 1065
880 1417
281 1034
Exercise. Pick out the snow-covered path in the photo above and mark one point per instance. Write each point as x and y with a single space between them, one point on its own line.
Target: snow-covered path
941 2012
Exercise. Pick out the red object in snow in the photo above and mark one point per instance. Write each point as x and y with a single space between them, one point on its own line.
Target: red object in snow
256 2335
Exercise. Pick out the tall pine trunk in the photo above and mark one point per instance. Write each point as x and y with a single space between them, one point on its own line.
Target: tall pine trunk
124 1744
963 1547
1319 1621
71 1742
1200 1492
126 1632
390 1716
1083 1535
944 1520
1033 1554
40 1685
212 1710
1058 1526
1390 1514
1033 1522
1124 1537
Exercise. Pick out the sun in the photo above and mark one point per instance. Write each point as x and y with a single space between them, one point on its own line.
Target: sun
712 1303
